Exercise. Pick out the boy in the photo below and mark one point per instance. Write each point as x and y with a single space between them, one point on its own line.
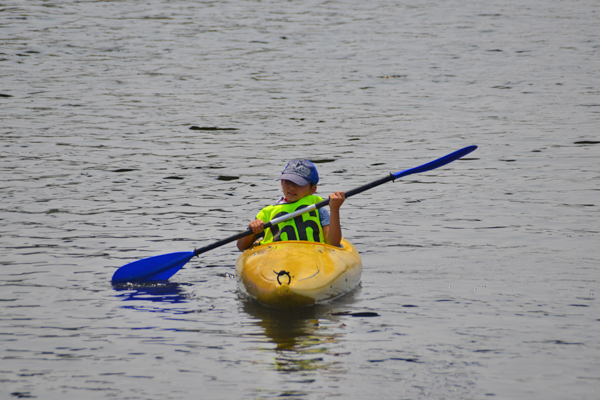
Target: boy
299 183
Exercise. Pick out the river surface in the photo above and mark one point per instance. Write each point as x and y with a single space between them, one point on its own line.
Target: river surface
131 129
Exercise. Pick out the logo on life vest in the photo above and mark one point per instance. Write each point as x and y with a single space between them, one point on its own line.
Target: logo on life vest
300 225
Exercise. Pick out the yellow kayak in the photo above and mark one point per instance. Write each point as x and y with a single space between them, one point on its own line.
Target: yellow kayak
298 273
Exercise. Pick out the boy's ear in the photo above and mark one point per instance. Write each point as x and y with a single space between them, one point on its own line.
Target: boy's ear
313 189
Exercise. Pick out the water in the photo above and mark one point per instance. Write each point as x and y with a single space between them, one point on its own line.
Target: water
483 274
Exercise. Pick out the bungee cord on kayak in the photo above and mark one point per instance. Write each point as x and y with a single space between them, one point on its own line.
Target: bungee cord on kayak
283 273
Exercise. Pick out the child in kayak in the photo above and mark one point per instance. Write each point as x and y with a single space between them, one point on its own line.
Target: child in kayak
299 183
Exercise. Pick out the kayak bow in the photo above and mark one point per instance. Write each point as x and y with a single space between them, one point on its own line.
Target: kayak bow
298 273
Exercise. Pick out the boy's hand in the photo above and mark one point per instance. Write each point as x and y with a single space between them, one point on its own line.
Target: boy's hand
257 226
336 200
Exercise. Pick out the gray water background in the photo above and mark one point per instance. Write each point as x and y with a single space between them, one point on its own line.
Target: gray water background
484 274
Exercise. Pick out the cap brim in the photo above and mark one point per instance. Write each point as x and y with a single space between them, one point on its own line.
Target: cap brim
298 180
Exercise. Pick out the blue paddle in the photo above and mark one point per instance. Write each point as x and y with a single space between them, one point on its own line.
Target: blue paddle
161 268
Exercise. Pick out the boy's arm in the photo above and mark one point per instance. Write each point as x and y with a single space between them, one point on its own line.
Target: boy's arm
333 232
257 227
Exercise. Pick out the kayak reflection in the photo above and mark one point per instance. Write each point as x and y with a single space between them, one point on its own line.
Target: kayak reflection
304 338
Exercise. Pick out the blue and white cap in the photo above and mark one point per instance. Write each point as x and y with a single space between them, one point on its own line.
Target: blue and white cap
301 172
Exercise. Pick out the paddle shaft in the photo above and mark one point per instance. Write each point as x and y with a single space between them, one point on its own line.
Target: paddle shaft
422 168
289 216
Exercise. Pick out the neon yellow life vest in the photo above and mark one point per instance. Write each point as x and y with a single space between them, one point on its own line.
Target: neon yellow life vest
303 227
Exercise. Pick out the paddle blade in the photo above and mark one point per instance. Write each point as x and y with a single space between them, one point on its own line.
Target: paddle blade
440 162
152 269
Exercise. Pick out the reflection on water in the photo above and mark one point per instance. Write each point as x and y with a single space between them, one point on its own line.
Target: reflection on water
286 328
305 339
302 342
162 292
